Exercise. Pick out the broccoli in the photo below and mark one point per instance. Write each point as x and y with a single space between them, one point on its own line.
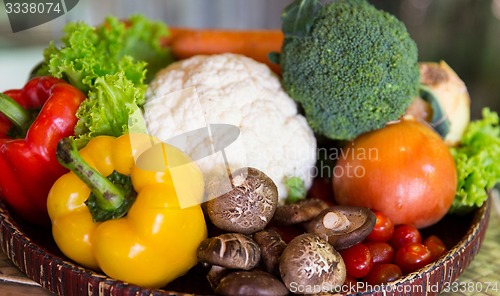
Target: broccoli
352 67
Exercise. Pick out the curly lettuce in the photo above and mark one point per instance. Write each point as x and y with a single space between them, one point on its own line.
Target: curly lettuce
109 90
111 64
477 160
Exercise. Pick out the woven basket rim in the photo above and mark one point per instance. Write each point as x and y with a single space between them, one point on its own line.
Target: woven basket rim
9 225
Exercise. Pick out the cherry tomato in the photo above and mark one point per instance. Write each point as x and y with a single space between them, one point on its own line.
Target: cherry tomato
383 273
404 169
383 229
436 246
381 252
358 260
412 256
404 234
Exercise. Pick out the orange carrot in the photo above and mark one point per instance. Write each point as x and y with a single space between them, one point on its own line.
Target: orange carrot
256 44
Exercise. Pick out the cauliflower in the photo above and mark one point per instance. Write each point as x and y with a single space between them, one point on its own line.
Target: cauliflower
236 90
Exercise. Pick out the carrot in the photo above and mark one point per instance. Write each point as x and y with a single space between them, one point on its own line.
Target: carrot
256 44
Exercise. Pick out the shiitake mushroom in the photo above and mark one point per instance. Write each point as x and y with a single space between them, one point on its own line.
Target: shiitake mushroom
343 226
215 275
255 282
271 245
299 212
230 250
247 206
309 261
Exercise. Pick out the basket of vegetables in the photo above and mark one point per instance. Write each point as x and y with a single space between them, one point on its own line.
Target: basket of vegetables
323 158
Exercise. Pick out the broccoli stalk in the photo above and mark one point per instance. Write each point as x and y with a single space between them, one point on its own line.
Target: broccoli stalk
352 68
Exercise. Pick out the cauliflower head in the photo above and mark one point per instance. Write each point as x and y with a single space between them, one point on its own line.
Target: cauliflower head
236 90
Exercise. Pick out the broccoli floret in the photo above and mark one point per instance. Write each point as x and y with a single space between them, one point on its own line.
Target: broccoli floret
352 67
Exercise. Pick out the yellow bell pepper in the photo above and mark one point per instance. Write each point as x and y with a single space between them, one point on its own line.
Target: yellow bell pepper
129 224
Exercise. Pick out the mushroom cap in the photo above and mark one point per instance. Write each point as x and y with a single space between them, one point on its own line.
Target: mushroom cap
299 212
229 250
309 261
215 275
343 226
252 283
248 206
271 247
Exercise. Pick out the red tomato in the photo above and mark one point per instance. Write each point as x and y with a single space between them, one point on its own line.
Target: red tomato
383 273
383 229
436 246
381 252
412 256
358 260
404 234
404 169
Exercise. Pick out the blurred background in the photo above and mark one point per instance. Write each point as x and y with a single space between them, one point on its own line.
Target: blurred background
464 33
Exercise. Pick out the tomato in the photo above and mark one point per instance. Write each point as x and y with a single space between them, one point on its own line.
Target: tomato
383 229
404 169
383 273
436 246
412 256
358 260
381 252
404 234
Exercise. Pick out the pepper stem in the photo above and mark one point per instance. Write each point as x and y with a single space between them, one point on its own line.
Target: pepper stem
111 197
15 113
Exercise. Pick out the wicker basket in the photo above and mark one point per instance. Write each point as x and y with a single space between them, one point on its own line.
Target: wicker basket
34 252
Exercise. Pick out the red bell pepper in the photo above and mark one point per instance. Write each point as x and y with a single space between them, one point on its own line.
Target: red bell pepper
34 119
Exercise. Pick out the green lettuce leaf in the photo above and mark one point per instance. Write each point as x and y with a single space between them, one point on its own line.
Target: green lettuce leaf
477 160
110 94
111 64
